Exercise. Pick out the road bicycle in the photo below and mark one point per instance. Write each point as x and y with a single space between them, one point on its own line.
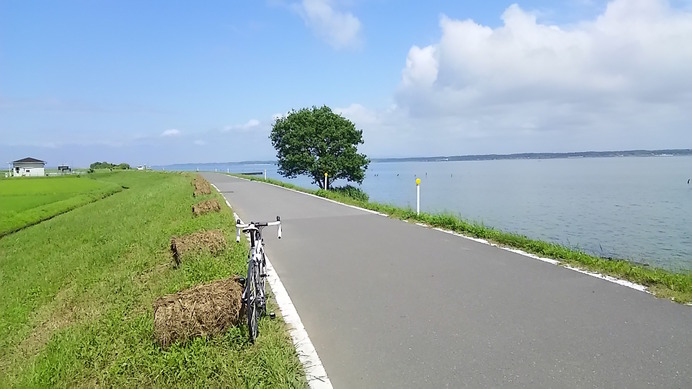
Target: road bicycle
254 298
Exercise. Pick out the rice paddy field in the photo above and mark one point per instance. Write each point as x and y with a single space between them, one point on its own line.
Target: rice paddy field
28 200
76 307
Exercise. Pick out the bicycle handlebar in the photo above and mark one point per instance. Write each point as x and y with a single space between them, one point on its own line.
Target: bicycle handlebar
256 225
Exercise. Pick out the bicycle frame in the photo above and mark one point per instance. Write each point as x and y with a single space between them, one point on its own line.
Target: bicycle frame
256 255
254 298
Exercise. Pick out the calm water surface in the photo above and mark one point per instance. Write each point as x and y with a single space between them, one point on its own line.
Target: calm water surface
637 208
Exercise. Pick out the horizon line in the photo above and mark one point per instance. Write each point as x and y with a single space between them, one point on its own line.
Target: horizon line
465 156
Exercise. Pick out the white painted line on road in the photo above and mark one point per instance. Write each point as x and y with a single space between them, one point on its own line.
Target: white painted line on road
227 203
318 197
314 371
618 281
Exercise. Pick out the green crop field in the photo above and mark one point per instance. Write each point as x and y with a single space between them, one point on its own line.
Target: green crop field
26 201
77 294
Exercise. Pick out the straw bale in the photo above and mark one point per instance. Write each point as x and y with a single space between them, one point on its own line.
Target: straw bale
202 311
211 241
206 207
202 186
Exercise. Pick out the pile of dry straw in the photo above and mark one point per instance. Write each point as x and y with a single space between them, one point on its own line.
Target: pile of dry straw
204 310
211 241
205 207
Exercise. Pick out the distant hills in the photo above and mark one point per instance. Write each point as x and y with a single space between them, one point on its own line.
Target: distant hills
581 154
481 157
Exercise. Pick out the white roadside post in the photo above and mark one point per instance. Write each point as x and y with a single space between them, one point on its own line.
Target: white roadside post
325 181
417 196
265 174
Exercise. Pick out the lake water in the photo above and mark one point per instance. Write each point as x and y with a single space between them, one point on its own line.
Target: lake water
636 208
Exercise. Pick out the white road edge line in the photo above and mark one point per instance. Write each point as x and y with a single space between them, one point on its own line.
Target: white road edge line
314 371
614 280
317 197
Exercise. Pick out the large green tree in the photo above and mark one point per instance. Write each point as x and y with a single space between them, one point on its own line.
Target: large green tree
317 141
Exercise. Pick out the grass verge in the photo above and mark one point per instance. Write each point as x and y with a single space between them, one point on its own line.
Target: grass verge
76 306
28 201
660 282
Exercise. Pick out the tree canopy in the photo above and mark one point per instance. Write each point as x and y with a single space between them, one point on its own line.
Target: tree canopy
108 165
316 141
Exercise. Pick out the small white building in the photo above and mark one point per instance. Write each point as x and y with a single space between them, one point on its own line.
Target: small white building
28 167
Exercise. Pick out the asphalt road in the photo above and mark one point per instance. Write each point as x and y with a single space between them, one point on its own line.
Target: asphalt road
390 304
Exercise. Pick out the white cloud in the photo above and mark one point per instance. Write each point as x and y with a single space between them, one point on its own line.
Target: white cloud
620 80
387 132
421 67
278 116
71 142
252 123
363 116
171 132
249 126
339 29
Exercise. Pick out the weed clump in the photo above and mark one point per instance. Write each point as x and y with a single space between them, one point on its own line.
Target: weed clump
211 241
206 207
201 311
349 191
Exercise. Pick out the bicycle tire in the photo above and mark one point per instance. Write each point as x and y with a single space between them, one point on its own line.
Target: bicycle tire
262 283
251 307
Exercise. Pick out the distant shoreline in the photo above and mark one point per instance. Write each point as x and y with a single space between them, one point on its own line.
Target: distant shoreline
482 157
580 154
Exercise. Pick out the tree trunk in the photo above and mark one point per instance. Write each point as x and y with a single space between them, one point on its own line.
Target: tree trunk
319 180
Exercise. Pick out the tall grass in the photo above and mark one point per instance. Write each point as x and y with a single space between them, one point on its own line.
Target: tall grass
662 283
76 304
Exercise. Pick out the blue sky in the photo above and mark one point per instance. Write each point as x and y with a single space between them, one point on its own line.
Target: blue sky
162 82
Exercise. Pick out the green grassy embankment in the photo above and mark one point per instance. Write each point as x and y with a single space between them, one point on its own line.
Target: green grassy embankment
25 201
77 294
660 282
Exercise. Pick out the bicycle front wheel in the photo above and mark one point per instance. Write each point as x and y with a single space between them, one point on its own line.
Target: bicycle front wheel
261 284
252 308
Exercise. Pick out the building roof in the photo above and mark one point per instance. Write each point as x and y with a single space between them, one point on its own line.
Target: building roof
28 159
